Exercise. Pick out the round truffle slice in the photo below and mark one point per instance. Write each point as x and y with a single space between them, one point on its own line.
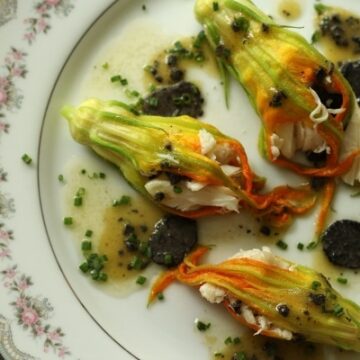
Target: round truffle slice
173 237
341 243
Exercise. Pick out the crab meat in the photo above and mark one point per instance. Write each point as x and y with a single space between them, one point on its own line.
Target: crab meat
217 295
187 200
292 137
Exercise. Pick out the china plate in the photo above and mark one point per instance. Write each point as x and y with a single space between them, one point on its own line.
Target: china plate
51 53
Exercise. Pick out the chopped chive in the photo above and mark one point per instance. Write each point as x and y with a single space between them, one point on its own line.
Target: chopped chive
282 245
88 233
115 78
84 267
338 310
123 82
219 355
83 171
201 326
236 340
124 200
320 8
103 276
215 6
144 7
200 38
168 259
315 285
94 273
311 245
68 220
78 200
177 189
160 296
316 36
152 101
239 356
26 159
102 175
105 66
228 340
342 280
300 246
81 191
86 245
136 263
141 280
61 178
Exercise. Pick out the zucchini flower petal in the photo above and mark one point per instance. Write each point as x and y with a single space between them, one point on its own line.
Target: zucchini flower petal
303 100
272 296
185 166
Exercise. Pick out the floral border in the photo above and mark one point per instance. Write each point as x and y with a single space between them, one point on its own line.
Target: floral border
32 313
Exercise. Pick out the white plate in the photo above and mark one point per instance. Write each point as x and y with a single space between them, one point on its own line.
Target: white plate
47 308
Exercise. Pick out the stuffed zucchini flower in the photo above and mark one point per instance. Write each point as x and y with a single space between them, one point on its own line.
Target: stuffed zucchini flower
185 166
303 100
272 296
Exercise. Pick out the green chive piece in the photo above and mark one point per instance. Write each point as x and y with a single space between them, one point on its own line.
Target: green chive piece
84 267
68 220
124 200
239 356
282 245
61 178
115 78
215 6
300 246
78 200
201 326
316 36
141 280
160 296
177 189
83 171
123 82
86 245
88 233
311 245
338 310
103 276
102 175
236 340
168 259
219 355
26 159
105 66
228 340
320 8
315 285
342 280
153 101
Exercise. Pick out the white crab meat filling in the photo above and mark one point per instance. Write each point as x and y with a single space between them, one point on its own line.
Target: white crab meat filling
207 142
216 295
292 137
187 199
351 142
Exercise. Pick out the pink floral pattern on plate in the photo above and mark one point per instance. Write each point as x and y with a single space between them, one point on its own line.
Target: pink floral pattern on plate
33 313
41 22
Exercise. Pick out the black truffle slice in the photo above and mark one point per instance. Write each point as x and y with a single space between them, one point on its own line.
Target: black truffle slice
183 98
351 71
173 237
341 243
